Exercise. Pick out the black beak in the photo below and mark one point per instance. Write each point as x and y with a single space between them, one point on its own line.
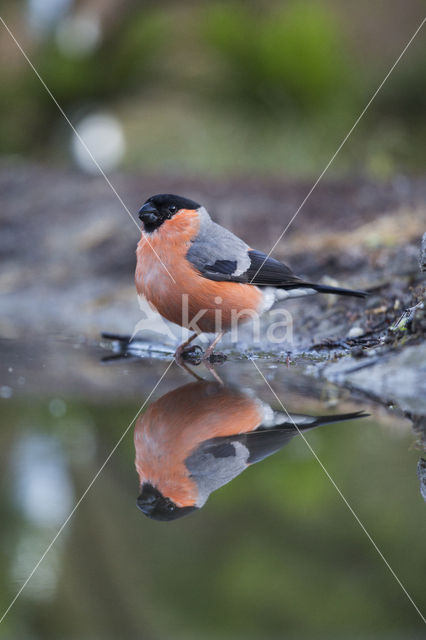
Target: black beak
148 499
148 214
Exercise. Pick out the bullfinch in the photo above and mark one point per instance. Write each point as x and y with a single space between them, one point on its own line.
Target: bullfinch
201 436
199 275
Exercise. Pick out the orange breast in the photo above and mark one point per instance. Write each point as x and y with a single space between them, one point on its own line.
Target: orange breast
190 294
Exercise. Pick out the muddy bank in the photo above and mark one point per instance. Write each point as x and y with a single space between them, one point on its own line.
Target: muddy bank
67 246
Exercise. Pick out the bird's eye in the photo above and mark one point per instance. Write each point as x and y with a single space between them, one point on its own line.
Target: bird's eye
170 506
172 208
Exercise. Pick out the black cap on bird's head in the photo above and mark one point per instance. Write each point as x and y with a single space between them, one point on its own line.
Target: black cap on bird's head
162 207
154 505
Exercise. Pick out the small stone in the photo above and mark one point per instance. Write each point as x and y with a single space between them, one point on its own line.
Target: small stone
355 332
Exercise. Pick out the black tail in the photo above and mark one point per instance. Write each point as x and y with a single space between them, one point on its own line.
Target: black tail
342 417
323 288
289 423
265 441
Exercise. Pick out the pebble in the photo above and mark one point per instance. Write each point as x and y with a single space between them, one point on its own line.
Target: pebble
355 332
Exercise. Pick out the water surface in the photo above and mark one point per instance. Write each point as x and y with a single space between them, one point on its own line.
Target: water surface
273 552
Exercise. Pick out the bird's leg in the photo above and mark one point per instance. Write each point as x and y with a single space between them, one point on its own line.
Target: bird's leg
182 364
215 375
208 352
181 348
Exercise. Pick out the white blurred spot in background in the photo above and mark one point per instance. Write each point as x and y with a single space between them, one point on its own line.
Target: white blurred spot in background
44 495
42 14
103 135
57 407
77 36
42 487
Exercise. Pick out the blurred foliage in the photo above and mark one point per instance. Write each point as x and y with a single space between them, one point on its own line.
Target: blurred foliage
260 86
405 97
122 62
292 58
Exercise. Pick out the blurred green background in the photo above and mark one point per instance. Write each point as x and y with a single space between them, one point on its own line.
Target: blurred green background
264 86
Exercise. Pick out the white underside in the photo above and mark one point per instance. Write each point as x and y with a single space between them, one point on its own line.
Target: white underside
271 418
271 296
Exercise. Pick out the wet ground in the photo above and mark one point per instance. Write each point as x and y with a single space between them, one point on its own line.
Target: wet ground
275 548
68 256
68 247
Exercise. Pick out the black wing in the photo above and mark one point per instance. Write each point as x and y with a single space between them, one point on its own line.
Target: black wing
265 441
262 271
257 444
218 254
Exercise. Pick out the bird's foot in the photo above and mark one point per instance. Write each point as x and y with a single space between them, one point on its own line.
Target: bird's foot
193 354
214 358
209 364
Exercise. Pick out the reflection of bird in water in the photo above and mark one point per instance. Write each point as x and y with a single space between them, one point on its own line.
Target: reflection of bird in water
200 436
